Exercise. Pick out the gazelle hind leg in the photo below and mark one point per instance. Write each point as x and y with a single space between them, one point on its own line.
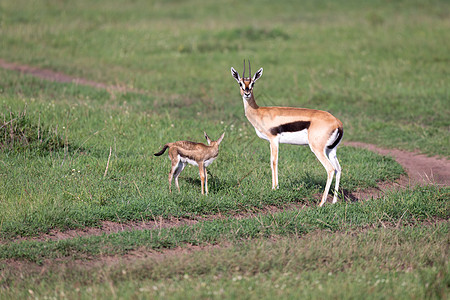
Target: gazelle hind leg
171 173
177 172
274 163
334 161
330 172
175 159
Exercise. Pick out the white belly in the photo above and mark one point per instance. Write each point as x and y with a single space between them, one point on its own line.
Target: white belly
193 162
187 160
295 138
209 161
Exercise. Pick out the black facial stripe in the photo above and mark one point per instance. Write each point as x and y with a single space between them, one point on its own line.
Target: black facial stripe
290 127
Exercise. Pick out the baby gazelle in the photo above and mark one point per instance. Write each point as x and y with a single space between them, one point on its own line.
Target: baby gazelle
197 154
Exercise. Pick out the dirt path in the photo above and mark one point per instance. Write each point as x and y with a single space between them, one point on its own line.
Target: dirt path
420 168
51 75
108 227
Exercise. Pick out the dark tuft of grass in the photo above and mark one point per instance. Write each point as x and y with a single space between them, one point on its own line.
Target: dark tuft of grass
253 34
19 133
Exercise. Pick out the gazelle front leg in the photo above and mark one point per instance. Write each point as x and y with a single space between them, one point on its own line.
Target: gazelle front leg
274 162
201 169
206 179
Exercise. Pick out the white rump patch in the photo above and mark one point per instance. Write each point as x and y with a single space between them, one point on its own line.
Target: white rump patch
332 138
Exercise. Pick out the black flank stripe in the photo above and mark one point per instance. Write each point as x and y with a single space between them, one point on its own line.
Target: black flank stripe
290 127
340 134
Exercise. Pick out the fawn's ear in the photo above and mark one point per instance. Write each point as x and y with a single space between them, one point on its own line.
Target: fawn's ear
235 74
220 139
207 138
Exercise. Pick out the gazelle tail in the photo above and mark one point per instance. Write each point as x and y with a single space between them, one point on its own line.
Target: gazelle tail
162 151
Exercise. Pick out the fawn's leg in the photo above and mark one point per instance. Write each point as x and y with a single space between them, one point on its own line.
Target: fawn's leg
202 175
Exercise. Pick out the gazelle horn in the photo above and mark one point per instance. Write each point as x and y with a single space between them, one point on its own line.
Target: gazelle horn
243 73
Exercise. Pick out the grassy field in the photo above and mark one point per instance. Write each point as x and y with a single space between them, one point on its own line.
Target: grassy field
368 264
381 67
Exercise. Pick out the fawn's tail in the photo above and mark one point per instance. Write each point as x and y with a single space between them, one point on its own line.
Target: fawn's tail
162 151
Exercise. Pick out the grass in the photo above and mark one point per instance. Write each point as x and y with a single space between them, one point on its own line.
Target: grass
368 263
18 133
379 66
407 207
68 188
354 59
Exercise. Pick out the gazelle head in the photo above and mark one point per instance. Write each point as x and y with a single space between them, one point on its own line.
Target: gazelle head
214 143
246 84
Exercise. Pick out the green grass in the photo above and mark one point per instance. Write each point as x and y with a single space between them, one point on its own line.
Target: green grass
313 253
381 67
353 264
68 189
408 207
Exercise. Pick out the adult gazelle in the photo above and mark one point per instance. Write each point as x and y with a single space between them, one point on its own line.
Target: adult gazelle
290 125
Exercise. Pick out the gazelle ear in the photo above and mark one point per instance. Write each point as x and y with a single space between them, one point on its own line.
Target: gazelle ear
235 74
207 138
220 139
257 75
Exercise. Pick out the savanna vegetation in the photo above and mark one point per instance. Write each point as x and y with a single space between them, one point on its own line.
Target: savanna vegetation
74 156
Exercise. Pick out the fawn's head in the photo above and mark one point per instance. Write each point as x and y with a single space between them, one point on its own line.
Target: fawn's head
246 84
214 143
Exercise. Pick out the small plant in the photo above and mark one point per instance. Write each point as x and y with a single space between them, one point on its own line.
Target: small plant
19 133
254 34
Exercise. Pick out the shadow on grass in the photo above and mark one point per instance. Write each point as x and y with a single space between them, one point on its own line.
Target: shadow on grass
215 184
